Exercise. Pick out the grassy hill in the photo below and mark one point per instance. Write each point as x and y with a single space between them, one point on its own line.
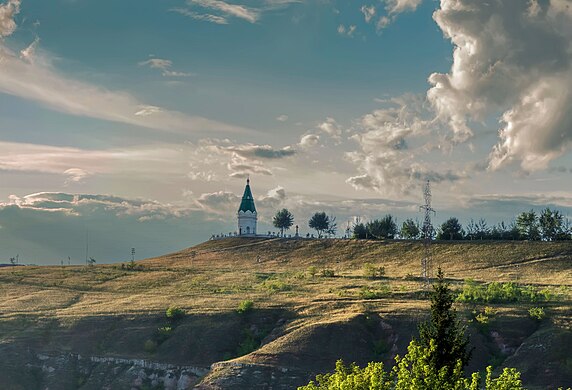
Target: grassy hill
313 302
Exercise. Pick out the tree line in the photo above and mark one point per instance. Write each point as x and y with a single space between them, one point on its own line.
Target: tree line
547 225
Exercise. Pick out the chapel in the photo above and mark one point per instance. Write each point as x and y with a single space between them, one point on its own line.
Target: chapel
247 213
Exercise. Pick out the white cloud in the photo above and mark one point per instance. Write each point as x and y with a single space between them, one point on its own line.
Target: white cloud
309 140
198 16
165 67
368 12
282 118
347 31
386 162
393 9
331 127
8 11
514 57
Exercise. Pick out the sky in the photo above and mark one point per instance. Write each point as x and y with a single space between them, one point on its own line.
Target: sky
135 123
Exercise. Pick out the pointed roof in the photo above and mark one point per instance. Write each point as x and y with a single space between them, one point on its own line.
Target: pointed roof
247 203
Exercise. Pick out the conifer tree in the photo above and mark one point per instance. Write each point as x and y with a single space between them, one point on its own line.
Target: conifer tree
444 329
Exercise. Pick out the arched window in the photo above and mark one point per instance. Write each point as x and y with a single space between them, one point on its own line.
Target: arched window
248 230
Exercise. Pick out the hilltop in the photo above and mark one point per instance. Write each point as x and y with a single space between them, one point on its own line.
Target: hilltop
313 301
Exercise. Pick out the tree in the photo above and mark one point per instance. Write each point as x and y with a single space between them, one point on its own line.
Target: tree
551 225
382 228
410 229
283 220
451 229
359 231
527 225
444 329
321 223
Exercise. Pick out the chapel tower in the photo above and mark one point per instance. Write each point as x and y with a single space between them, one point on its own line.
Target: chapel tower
247 213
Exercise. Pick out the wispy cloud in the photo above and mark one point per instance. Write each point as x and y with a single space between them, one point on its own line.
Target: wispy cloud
165 67
31 76
220 12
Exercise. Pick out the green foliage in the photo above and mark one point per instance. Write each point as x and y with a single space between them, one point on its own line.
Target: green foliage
174 313
370 293
360 231
323 224
410 229
444 329
245 306
537 313
248 344
163 333
373 272
283 220
328 273
274 286
413 371
527 225
451 229
150 346
551 225
312 270
384 228
496 292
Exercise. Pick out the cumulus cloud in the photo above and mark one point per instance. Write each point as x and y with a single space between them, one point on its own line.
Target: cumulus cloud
8 11
386 162
309 140
31 76
514 57
331 127
368 12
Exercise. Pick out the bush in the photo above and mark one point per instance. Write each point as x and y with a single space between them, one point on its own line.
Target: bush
537 313
163 333
369 293
174 313
373 272
245 306
273 286
496 292
328 273
312 271
248 344
150 346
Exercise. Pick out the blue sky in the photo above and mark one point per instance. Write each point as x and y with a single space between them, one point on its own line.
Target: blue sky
141 119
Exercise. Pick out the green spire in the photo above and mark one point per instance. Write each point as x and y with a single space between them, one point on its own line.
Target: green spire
247 203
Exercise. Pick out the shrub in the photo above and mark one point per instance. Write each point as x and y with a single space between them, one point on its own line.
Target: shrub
150 346
328 273
163 333
496 292
312 271
175 313
248 344
369 293
245 306
373 272
537 313
273 286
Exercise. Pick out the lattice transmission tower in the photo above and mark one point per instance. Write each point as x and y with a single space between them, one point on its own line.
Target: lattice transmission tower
427 231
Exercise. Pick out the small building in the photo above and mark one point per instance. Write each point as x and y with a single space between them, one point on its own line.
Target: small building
247 213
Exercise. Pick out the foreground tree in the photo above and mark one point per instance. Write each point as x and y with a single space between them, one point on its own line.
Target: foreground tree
322 223
451 229
410 229
436 361
283 220
444 330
